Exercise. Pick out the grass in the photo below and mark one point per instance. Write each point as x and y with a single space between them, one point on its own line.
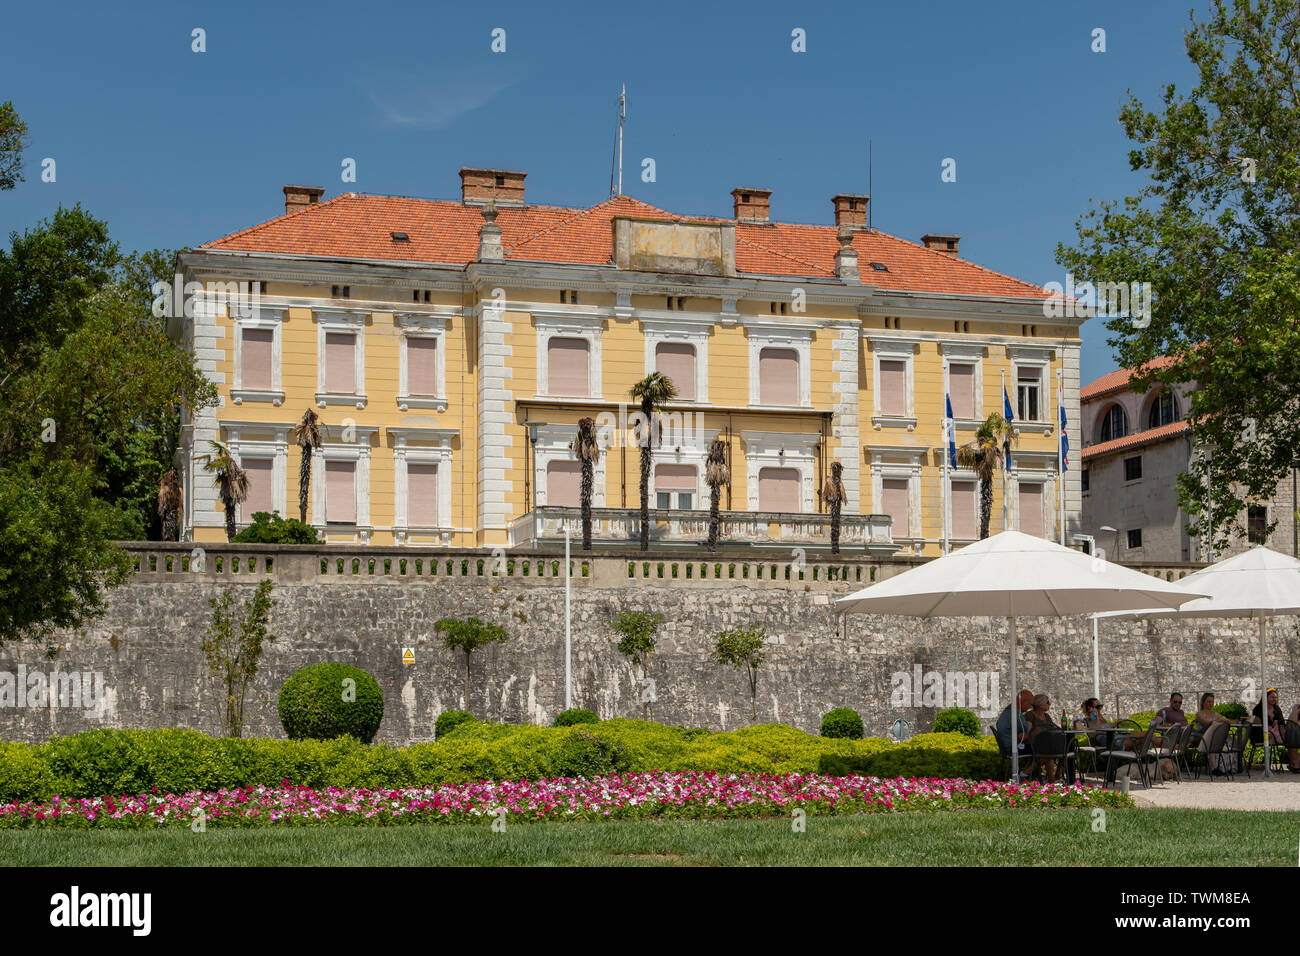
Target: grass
974 838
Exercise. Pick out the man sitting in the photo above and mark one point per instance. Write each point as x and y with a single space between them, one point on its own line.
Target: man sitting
1171 715
1002 730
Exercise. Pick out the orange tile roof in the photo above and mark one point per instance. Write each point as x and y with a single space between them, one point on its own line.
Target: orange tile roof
1172 430
1117 381
354 226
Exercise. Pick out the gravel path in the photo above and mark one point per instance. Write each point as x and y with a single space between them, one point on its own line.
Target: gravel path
1280 793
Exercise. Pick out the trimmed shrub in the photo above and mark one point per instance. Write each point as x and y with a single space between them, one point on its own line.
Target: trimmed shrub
313 704
449 720
925 755
24 775
842 722
582 754
957 720
572 716
1233 711
270 528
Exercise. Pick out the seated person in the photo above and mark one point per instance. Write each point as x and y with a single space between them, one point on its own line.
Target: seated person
1171 715
1206 716
1092 718
1002 728
1281 732
1040 719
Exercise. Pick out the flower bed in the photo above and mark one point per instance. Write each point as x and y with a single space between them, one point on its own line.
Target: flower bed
622 797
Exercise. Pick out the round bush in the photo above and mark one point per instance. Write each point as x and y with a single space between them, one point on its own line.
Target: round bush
957 720
588 755
1233 711
567 718
325 701
449 720
842 722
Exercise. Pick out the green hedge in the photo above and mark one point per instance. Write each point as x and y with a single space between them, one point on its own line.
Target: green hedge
315 703
842 722
118 762
957 720
575 715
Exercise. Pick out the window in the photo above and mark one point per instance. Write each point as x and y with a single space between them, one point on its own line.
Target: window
422 365
568 361
1164 410
1029 386
676 362
256 356
778 489
964 527
1113 424
893 387
1135 538
422 495
778 377
1031 508
564 484
675 486
894 502
341 492
340 363
1083 479
258 497
1133 468
961 388
1257 524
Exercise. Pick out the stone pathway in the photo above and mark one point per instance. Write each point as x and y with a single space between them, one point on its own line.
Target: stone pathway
1280 793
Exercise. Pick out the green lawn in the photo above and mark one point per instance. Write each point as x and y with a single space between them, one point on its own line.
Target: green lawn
981 837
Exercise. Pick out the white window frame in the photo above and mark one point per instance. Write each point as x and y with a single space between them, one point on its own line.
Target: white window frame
964 474
685 332
413 325
768 335
335 448
1041 359
886 463
434 449
893 349
261 440
1046 475
696 457
781 450
963 353
353 322
568 325
553 444
264 318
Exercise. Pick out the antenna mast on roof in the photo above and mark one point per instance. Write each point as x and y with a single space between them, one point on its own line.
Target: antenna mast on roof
616 161
870 185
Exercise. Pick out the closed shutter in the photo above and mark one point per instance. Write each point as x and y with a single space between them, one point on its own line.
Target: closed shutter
893 387
961 387
341 492
675 478
894 498
567 363
964 527
422 366
258 498
564 484
422 496
778 377
340 363
676 362
778 489
256 358
1031 508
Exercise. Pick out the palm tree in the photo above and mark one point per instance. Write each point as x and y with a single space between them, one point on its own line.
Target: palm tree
230 481
716 475
307 434
587 450
834 494
651 392
171 505
984 456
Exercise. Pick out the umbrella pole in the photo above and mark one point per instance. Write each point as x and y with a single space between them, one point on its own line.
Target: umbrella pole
1263 709
1015 716
1096 664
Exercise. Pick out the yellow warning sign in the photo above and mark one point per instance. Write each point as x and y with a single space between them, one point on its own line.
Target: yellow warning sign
408 655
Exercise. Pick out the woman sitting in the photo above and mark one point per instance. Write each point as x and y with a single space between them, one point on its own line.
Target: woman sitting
1281 732
1206 716
1040 719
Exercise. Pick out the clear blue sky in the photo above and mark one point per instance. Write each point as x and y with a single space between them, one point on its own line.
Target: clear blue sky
176 148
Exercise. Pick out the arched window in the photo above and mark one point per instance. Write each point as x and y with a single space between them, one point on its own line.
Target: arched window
1113 424
1163 410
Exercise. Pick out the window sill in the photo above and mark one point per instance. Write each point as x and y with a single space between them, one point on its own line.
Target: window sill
407 402
1037 428
240 395
324 399
893 421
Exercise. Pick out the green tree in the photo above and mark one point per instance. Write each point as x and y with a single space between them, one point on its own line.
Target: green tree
833 494
984 456
743 647
717 475
637 631
1215 230
230 481
13 140
650 393
308 436
233 648
469 635
587 450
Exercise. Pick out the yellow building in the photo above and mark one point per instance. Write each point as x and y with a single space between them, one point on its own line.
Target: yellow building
450 347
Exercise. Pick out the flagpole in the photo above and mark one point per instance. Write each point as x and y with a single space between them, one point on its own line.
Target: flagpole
947 424
1060 452
1005 463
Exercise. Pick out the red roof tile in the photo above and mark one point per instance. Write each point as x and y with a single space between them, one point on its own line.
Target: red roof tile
1172 430
354 226
1118 380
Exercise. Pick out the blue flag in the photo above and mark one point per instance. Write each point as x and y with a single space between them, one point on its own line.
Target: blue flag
950 430
1065 437
1010 417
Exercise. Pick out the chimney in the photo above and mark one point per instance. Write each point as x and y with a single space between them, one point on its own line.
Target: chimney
846 258
751 205
489 236
941 242
851 210
504 187
295 197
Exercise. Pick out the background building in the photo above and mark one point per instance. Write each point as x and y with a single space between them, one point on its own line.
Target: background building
451 347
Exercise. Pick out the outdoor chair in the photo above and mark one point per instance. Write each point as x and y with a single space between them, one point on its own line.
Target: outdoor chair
1233 756
1173 747
1089 751
1211 745
1140 755
1053 745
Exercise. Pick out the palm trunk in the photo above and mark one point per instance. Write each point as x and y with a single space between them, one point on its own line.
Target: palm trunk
715 523
646 450
986 505
835 527
230 520
304 482
588 470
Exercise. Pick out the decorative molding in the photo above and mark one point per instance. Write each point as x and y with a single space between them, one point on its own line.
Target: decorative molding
763 335
568 325
421 326
263 318
688 332
435 448
554 443
345 320
795 450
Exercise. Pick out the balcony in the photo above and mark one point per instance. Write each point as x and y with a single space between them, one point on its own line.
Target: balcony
621 528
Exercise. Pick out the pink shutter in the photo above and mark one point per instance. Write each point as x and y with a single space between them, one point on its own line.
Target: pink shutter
778 489
422 496
567 367
422 366
675 478
258 499
1031 508
341 492
894 495
961 386
778 377
963 509
676 362
256 358
893 387
564 484
340 363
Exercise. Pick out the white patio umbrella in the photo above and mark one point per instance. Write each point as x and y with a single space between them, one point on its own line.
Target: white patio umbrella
1258 584
1014 575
